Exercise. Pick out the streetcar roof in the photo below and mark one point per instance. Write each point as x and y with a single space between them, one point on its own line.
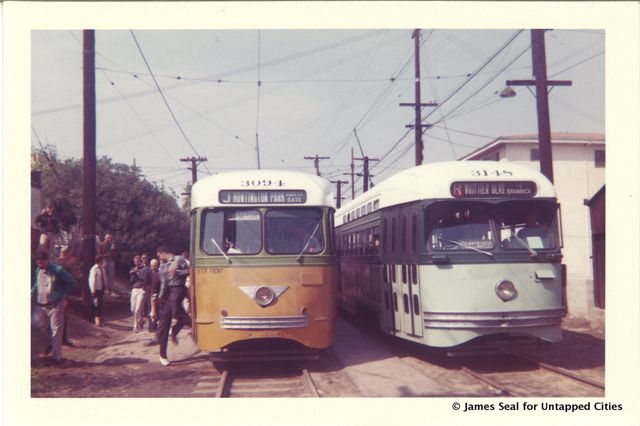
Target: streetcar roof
206 191
434 181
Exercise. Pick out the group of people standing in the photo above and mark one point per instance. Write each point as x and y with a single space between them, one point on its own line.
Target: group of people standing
158 292
158 289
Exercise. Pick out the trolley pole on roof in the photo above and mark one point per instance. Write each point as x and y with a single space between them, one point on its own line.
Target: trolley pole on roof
88 158
339 196
194 166
541 83
316 162
417 104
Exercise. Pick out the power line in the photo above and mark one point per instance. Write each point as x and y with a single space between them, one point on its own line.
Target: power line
377 102
483 85
135 112
577 64
473 74
277 61
258 102
163 98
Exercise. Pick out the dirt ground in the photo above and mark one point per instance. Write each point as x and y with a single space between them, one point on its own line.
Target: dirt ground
112 361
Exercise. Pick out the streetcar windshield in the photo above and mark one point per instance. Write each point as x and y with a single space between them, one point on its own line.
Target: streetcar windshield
512 225
528 225
234 231
294 231
459 226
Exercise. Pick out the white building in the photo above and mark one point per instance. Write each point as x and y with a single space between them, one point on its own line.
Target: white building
579 173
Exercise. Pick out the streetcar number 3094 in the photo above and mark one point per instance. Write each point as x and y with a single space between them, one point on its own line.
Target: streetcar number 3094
261 183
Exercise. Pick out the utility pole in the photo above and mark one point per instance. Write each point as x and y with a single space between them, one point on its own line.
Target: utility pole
365 172
88 158
541 83
316 162
194 166
339 196
418 105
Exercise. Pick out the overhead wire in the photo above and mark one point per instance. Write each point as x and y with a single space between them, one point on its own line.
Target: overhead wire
453 93
258 101
277 61
364 66
139 117
369 113
175 119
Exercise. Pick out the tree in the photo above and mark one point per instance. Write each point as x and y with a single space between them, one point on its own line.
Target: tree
139 215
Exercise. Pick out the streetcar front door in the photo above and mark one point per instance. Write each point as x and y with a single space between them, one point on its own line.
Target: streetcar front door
404 302
396 298
413 279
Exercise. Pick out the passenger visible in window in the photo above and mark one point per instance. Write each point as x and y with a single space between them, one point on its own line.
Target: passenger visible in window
535 234
230 247
307 240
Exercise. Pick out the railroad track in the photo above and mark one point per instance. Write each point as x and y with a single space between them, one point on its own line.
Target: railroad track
524 376
239 384
248 382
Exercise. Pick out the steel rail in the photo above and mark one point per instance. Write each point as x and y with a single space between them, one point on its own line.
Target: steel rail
562 371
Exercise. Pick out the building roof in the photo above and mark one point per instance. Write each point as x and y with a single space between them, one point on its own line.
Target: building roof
556 138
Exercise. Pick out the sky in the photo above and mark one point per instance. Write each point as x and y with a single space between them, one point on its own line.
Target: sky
316 87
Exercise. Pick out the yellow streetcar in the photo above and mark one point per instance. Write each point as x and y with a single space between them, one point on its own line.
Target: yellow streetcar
263 269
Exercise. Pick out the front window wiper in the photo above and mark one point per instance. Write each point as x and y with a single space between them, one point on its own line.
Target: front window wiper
525 245
459 244
308 241
221 251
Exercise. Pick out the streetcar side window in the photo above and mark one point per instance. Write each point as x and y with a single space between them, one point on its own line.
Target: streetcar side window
294 231
414 232
393 235
403 234
232 231
385 235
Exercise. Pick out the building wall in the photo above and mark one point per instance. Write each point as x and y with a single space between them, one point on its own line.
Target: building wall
576 178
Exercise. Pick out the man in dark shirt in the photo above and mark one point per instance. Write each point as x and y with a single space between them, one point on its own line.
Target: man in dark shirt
51 283
107 249
48 225
140 279
172 293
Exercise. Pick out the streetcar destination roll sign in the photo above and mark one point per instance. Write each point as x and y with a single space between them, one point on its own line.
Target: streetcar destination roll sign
514 189
262 196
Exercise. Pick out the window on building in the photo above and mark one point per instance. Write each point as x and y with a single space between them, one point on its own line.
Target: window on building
376 204
493 157
534 154
599 157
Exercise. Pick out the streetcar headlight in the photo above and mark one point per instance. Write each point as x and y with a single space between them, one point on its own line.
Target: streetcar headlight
264 296
506 290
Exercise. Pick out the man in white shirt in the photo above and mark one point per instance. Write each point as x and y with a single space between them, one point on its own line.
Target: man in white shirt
97 285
